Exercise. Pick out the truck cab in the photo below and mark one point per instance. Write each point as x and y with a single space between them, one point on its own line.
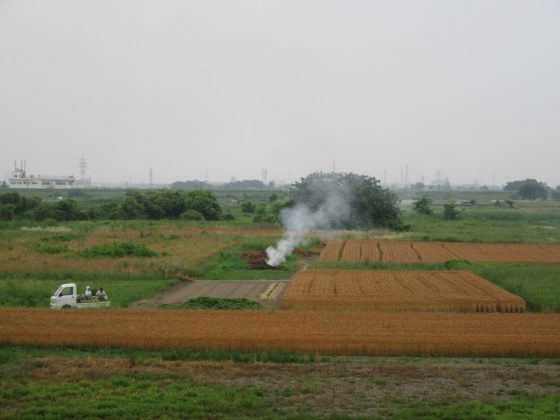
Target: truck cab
66 296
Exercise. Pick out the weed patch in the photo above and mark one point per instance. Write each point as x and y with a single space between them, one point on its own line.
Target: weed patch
49 248
208 302
118 249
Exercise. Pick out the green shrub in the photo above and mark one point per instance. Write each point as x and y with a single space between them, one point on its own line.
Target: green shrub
192 215
450 211
118 249
265 218
422 205
65 237
248 207
208 302
51 248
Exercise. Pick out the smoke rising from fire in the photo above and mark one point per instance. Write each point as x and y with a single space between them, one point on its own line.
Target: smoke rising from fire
301 219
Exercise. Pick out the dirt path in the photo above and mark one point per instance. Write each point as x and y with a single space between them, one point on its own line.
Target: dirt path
267 292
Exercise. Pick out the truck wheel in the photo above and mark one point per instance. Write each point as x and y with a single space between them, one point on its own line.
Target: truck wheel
66 307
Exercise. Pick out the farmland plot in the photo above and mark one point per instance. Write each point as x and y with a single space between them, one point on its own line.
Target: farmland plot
325 332
332 251
437 252
352 251
370 251
392 251
449 291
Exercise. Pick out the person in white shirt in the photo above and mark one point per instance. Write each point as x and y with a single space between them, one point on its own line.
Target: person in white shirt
101 294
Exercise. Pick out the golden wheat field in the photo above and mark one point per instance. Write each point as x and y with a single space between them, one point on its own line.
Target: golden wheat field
326 332
436 252
450 291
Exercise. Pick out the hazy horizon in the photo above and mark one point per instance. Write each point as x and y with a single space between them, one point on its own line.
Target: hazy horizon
223 89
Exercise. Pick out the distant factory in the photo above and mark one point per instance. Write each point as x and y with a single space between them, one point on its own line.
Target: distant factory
21 180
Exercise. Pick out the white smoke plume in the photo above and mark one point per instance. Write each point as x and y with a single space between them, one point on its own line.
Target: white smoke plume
300 219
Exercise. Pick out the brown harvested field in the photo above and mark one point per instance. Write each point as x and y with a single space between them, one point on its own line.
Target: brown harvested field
323 332
370 251
398 251
332 251
352 252
437 252
449 291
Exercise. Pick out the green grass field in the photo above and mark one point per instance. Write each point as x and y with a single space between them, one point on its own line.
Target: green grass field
530 223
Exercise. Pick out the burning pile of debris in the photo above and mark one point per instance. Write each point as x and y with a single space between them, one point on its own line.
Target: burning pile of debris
256 260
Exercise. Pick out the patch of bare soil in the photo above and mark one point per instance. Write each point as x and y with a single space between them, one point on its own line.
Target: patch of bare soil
257 260
350 386
267 292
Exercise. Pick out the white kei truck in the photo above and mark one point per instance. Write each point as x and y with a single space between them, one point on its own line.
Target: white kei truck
66 296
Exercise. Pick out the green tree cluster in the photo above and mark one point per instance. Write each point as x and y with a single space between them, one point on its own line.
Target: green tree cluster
529 189
163 204
369 204
422 205
15 206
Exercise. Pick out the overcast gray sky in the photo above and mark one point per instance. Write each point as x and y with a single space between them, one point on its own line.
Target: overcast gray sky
471 88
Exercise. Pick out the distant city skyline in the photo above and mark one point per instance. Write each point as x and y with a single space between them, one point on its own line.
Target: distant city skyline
439 178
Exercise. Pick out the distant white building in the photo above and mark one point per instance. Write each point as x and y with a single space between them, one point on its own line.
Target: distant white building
20 180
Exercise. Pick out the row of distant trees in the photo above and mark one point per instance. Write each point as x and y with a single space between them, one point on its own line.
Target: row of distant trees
368 204
528 189
162 204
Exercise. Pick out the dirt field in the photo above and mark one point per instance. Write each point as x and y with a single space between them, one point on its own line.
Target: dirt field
437 252
267 292
450 291
324 332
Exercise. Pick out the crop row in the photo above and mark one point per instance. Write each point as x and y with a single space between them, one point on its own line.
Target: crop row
436 252
458 291
324 332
